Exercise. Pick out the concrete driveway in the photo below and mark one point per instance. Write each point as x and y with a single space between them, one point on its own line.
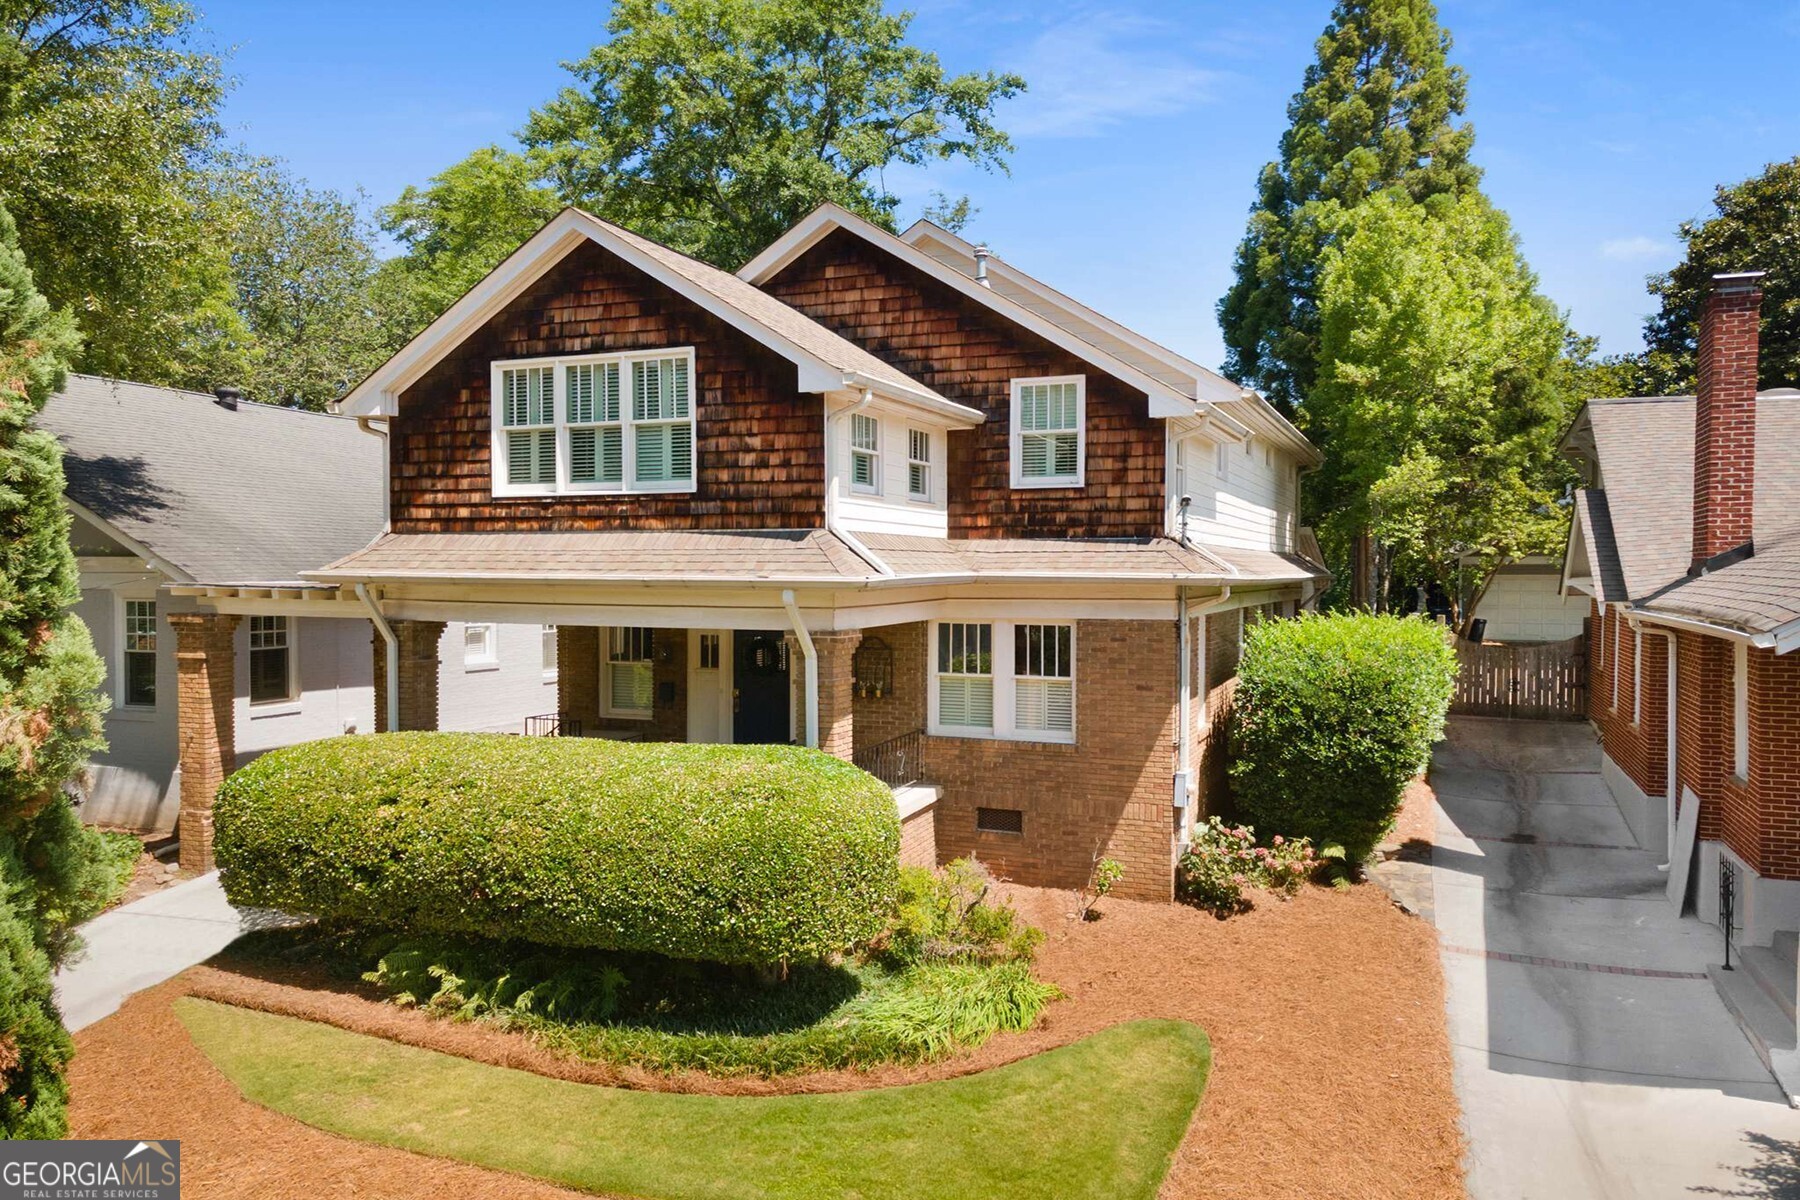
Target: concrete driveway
1593 1057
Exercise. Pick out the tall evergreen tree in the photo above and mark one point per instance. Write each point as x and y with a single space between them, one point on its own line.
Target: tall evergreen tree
51 868
1379 109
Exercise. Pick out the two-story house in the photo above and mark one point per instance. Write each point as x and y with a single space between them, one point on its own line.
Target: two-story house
887 496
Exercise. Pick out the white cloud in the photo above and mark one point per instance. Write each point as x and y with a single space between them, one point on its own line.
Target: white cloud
1637 248
1089 73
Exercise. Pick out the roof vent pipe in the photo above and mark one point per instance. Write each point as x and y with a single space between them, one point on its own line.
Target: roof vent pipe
226 396
981 257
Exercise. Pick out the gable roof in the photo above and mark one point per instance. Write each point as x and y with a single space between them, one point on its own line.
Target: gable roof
826 361
217 496
1176 385
1635 528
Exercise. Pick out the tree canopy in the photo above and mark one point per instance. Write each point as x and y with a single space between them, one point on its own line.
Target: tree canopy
1756 227
1442 392
713 125
1377 110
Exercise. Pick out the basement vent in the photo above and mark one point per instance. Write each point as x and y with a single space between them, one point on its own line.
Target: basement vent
999 820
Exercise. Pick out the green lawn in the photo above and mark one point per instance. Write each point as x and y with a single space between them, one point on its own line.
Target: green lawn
1100 1118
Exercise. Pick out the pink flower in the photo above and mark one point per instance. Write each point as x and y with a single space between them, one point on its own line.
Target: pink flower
1278 839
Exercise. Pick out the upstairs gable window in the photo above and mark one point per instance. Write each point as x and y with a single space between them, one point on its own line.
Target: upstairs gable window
1049 418
865 453
595 423
918 464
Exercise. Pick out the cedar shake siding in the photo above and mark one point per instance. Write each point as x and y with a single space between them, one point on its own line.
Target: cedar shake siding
760 457
970 354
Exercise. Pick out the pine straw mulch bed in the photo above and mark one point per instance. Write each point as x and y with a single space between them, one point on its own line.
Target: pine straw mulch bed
1331 1072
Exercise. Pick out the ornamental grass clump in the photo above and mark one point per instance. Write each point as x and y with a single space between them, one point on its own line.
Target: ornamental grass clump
751 855
1331 718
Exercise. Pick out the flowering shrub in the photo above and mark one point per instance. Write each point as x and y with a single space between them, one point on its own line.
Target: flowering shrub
1223 860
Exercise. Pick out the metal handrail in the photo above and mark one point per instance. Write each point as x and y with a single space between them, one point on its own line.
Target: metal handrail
556 724
897 761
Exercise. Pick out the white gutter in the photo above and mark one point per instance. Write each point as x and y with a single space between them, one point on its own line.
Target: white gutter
367 425
1759 641
831 490
393 655
812 667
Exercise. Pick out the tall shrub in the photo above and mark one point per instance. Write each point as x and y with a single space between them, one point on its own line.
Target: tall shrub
1333 714
49 710
738 854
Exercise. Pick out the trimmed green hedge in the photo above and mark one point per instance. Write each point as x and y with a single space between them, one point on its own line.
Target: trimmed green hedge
1332 716
738 854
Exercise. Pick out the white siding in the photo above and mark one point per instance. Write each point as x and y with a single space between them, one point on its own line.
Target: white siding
495 698
890 509
1523 606
1253 505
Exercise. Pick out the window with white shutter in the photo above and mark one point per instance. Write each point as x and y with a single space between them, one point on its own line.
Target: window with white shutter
629 689
595 423
965 676
1003 679
918 464
865 453
1044 678
1048 431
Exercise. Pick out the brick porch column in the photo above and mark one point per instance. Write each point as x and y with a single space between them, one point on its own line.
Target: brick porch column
206 726
837 728
418 674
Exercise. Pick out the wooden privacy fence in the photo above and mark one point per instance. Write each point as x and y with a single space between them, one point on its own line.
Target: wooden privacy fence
1542 682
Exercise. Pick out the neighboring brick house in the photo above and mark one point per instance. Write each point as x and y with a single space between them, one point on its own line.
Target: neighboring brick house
883 495
1687 539
170 489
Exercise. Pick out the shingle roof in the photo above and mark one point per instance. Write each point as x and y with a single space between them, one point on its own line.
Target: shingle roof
789 556
255 495
1640 527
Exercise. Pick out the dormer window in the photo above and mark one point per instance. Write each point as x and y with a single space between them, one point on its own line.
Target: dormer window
1049 419
594 424
865 453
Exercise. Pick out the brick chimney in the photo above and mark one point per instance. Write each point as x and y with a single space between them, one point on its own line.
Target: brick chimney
1725 418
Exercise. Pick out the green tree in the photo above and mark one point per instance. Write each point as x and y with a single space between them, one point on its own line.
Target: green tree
1756 227
302 274
713 125
1377 110
51 868
1443 392
948 212
452 232
107 133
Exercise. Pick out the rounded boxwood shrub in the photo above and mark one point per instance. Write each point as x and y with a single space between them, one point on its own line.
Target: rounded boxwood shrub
1332 716
738 854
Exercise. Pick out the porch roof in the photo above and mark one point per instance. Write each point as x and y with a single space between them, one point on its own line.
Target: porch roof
797 556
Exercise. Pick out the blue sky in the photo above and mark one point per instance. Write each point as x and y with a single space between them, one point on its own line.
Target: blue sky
1601 124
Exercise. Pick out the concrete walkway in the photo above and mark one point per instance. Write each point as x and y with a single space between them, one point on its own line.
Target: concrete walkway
143 943
1593 1057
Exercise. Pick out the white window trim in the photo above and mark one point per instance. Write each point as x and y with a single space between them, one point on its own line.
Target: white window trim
1616 621
1077 480
925 497
502 489
284 705
1003 674
550 667
1637 676
489 657
606 670
122 708
1740 712
873 454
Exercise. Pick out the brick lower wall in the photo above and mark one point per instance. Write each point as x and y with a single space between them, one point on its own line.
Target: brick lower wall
1635 732
1108 793
901 707
918 839
1775 758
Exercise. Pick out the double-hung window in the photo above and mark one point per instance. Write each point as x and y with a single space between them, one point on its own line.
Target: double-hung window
630 683
481 645
547 651
595 423
1049 419
918 464
865 453
271 660
139 653
1004 679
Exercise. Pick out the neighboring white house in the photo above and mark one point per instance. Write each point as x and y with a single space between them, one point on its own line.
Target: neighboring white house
1525 603
166 487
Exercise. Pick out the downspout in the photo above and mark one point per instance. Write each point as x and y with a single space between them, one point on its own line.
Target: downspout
1671 788
392 658
812 667
367 425
831 492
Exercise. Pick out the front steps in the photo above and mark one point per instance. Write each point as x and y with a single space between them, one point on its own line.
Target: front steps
1761 995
